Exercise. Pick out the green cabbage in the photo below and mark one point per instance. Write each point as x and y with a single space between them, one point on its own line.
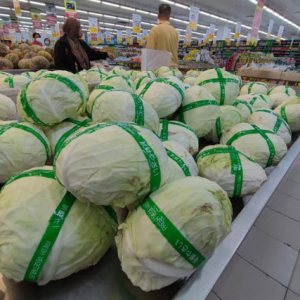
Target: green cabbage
258 142
165 95
118 71
199 110
53 98
22 146
235 172
282 89
161 70
257 100
245 109
15 81
112 164
95 76
200 212
193 73
119 82
27 203
119 106
291 114
140 81
186 86
7 108
189 80
149 74
254 87
172 73
229 117
133 74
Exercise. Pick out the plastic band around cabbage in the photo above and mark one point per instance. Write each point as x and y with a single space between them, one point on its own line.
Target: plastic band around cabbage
219 128
153 163
104 87
28 109
223 81
172 234
283 114
182 165
162 80
5 74
115 76
139 110
257 83
287 91
195 105
98 70
10 81
263 133
41 74
28 75
237 102
271 90
18 125
279 120
236 165
140 81
252 102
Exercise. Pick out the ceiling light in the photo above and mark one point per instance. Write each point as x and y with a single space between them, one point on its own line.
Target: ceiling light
98 1
109 24
59 7
152 14
82 11
167 1
142 12
128 8
123 19
60 16
27 18
24 22
109 17
83 20
253 1
37 3
110 4
204 13
25 1
94 14
182 6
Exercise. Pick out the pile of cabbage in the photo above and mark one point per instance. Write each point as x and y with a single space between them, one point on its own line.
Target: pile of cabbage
100 142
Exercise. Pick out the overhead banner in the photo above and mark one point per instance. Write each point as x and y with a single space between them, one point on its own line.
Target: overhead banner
139 38
119 36
14 24
93 26
145 35
136 23
238 29
55 31
36 18
238 41
211 32
188 33
107 35
17 8
214 42
128 36
70 8
228 36
249 39
279 34
51 14
257 20
193 18
271 24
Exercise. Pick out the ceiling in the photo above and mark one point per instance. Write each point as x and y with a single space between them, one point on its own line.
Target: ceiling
228 11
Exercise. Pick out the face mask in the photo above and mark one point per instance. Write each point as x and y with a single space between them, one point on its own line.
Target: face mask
38 39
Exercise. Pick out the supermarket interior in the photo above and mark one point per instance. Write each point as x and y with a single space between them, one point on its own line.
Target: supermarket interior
150 150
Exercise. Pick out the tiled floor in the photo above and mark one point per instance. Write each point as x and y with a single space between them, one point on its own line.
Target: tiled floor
267 264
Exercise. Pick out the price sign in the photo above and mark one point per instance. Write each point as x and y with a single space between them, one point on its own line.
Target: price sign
36 18
93 25
211 32
136 23
193 17
270 28
188 33
279 34
70 8
238 29
119 36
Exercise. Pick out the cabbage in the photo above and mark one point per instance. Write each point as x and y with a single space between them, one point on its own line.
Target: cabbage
133 74
291 100
7 108
140 81
199 110
174 73
83 73
198 214
245 109
189 80
161 70
224 86
282 89
261 144
112 164
15 81
4 74
181 162
193 73
165 95
278 99
254 87
53 98
272 121
239 79
95 76
118 71
119 106
59 133
229 117
180 133
149 74
118 82
27 202
257 100
291 114
22 146
186 86
234 171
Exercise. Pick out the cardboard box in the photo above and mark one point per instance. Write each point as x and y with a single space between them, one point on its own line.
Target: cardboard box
295 77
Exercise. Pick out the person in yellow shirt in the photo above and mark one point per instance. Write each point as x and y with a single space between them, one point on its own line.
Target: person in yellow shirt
164 36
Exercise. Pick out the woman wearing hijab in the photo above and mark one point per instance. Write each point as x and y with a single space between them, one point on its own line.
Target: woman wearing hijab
73 54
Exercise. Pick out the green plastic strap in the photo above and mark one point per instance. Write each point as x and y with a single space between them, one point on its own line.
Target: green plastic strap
164 134
219 128
98 71
172 234
28 75
283 114
263 133
18 125
250 87
262 97
41 74
237 102
115 76
298 96
104 87
5 74
179 124
111 213
162 80
139 110
10 81
257 98
49 238
66 135
270 91
179 162
155 172
287 91
140 81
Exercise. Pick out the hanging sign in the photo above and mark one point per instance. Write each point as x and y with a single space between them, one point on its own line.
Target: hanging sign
188 33
193 18
17 8
6 24
14 24
145 34
119 36
200 42
136 23
185 42
249 39
238 42
271 24
70 8
131 41
228 37
107 35
238 29
128 36
51 14
36 18
100 38
291 46
257 20
55 31
93 27
279 34
215 42
211 32
139 38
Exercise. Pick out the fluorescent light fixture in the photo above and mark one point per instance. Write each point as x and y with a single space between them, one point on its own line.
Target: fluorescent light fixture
117 25
83 20
59 7
204 13
167 1
37 3
109 24
152 14
122 19
253 1
126 7
82 11
62 17
4 7
142 11
95 14
182 6
24 22
25 1
98 1
110 4
25 18
146 23
109 17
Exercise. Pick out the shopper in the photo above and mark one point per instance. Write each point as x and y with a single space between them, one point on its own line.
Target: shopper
73 54
36 39
164 36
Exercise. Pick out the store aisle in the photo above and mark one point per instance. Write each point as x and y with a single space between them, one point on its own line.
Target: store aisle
267 264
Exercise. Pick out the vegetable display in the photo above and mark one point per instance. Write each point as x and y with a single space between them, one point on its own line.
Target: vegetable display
257 100
118 82
254 87
7 108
